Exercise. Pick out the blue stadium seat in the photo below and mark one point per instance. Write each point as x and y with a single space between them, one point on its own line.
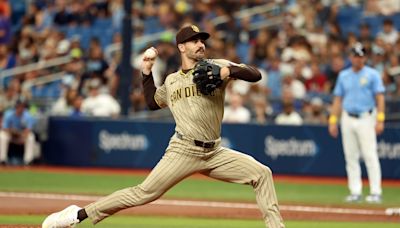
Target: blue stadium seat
50 90
85 34
349 18
63 29
242 52
102 23
104 36
53 89
396 20
374 22
152 25
36 91
71 31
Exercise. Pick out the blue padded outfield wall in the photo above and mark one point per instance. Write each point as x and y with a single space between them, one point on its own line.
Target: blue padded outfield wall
304 150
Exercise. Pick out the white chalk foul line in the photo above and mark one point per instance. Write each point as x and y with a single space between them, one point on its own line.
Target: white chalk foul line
310 209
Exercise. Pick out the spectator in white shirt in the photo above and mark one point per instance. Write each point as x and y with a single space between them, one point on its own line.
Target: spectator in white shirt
63 105
389 34
235 112
295 86
99 104
288 116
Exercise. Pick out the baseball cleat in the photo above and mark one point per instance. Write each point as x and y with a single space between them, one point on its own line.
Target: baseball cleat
392 211
373 198
353 198
67 218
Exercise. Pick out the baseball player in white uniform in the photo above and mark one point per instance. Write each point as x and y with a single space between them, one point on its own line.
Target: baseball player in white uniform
358 97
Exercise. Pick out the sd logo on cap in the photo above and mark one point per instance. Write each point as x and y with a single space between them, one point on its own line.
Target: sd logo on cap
189 33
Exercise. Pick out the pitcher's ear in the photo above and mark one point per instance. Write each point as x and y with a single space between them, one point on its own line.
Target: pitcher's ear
181 47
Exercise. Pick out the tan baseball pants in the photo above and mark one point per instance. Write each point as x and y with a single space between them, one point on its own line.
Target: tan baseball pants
183 159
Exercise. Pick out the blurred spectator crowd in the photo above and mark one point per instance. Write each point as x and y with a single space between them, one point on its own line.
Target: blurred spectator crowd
299 55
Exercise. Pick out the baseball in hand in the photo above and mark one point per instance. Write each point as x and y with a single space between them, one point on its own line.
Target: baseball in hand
150 53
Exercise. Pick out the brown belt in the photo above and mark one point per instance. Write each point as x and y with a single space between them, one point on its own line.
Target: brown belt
196 142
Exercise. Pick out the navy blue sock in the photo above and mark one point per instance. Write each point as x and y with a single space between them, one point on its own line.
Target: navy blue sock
82 215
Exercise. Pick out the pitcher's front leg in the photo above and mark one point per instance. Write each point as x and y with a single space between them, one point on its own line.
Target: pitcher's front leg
232 166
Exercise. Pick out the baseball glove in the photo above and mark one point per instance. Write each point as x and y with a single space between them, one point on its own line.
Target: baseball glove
207 77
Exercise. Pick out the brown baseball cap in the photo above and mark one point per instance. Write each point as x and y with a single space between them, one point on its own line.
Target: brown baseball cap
189 33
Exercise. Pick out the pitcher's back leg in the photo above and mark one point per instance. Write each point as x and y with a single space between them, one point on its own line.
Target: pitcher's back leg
171 169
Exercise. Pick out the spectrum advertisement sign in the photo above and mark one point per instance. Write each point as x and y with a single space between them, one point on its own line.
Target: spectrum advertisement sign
303 150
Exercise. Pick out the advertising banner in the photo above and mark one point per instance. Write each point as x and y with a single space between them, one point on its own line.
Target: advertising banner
299 150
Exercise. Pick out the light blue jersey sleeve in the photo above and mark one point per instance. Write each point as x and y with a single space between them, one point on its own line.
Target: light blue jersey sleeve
7 119
29 120
377 83
339 90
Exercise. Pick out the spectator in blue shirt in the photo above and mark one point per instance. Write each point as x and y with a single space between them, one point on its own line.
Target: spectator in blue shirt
17 127
275 78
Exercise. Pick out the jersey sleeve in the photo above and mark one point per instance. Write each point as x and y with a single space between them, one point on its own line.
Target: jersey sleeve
222 62
150 91
239 71
377 83
6 120
30 120
339 90
161 96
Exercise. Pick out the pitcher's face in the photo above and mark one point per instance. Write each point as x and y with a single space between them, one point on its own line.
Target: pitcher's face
195 49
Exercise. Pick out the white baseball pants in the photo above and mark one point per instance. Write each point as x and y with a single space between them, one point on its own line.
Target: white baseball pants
29 146
359 140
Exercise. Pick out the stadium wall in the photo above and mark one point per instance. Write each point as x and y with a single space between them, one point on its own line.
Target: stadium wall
303 150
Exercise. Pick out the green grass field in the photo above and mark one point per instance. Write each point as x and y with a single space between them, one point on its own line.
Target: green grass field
192 188
168 222
35 181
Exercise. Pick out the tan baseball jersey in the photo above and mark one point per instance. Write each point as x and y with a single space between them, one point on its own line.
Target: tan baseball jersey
198 118
195 117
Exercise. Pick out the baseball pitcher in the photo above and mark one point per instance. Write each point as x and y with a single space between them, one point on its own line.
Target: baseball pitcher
195 96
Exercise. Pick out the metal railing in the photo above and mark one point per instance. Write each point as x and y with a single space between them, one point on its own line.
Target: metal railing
269 7
137 41
31 67
44 103
45 79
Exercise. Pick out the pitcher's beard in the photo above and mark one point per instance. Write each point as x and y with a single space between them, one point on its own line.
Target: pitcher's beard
197 58
197 55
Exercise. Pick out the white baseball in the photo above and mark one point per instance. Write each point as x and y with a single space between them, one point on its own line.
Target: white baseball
150 53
